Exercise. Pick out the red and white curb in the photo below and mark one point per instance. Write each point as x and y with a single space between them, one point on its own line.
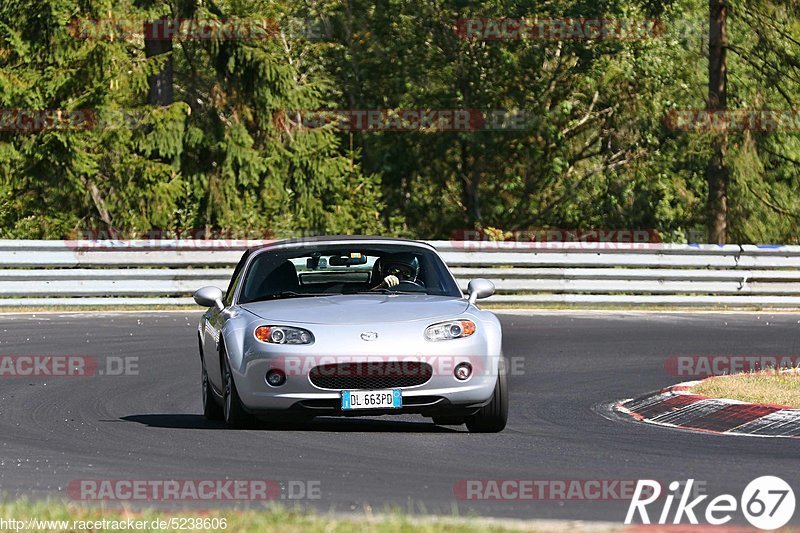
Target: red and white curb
678 408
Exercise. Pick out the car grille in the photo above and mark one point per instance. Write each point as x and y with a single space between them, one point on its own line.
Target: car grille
371 375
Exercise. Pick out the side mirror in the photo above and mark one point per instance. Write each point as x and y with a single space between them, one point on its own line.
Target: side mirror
209 297
479 288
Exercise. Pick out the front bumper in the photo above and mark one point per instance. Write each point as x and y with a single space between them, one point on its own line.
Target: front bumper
442 394
429 406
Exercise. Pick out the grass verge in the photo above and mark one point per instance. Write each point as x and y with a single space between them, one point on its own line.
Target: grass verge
55 516
768 386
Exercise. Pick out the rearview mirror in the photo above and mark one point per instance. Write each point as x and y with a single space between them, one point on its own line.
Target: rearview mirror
348 260
479 288
209 297
314 263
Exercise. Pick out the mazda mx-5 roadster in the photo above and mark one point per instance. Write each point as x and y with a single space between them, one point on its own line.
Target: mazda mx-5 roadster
350 326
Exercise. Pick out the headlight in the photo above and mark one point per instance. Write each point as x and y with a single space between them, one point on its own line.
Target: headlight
283 335
450 330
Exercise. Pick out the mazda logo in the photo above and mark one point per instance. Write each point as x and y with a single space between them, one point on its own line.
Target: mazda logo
369 336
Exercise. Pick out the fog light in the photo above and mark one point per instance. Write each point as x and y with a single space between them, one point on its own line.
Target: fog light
276 378
463 371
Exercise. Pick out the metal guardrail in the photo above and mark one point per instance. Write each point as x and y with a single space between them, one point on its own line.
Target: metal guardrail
80 273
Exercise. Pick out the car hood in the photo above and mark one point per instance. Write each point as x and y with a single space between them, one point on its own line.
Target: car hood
358 308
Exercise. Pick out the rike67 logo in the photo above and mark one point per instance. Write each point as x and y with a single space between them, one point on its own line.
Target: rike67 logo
767 502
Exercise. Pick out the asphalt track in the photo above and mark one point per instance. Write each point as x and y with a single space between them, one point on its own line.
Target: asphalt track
148 426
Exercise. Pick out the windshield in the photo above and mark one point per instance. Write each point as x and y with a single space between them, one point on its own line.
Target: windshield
346 269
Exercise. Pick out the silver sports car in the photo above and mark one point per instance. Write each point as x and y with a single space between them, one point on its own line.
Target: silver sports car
350 326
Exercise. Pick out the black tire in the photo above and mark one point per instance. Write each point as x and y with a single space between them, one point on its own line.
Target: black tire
211 409
493 416
234 414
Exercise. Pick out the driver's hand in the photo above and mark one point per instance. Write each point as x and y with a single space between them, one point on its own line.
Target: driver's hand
390 281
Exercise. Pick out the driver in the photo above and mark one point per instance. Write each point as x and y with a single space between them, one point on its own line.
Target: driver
396 268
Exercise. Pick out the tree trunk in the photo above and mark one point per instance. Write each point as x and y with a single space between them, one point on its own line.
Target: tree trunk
158 40
470 193
717 173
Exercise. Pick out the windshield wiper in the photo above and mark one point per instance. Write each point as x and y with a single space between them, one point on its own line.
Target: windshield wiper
287 294
376 291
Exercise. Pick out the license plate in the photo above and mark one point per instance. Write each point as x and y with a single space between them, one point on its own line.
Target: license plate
371 399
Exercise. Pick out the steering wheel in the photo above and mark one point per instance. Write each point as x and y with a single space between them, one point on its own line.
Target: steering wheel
410 285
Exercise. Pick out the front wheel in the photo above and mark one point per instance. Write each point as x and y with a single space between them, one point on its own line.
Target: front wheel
493 416
234 414
211 409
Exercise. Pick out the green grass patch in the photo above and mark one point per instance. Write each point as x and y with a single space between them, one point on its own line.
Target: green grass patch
79 518
769 386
